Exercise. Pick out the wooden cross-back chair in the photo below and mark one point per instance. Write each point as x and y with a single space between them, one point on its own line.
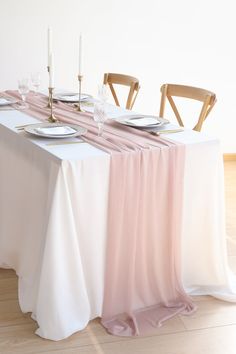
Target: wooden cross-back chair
119 79
208 99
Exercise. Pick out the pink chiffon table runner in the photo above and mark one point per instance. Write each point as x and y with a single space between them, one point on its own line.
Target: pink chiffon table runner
143 285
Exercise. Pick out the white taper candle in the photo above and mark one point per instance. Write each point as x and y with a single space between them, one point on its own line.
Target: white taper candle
51 70
49 44
80 54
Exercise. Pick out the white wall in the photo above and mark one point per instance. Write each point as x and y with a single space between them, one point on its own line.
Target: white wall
184 41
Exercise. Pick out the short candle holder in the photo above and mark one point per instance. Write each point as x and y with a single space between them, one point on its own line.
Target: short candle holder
78 105
51 118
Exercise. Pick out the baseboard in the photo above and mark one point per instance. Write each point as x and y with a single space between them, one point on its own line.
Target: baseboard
229 157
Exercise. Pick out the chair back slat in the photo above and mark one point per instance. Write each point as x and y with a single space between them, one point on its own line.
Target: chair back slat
126 80
208 98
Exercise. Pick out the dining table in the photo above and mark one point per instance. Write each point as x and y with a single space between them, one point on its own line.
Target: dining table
54 206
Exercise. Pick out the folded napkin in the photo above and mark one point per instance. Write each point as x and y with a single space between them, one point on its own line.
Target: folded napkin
65 130
142 121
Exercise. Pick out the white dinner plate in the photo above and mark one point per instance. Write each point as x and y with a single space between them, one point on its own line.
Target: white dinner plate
55 130
142 121
71 97
4 101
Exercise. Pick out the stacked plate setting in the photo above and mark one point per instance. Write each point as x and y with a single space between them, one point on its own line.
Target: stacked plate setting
5 101
142 121
55 130
71 97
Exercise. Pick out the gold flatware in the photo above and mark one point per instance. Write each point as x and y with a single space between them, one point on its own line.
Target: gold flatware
65 143
22 126
88 104
166 131
84 103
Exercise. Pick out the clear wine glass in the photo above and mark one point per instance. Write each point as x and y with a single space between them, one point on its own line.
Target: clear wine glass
23 88
99 116
103 93
36 81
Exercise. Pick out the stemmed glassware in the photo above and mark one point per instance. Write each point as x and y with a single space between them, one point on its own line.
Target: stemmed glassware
103 93
99 114
36 80
23 88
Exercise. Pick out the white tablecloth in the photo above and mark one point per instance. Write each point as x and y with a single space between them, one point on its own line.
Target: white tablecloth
53 210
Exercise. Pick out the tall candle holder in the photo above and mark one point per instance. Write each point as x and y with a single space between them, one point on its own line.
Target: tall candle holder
80 78
49 105
51 118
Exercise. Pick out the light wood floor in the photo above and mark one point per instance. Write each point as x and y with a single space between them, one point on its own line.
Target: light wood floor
211 330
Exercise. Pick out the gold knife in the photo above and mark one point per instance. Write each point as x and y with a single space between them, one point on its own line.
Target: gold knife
65 143
159 132
20 127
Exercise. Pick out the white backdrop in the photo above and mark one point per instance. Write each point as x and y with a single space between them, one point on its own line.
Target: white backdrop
185 41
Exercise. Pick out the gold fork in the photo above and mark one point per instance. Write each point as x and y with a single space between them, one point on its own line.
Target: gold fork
65 143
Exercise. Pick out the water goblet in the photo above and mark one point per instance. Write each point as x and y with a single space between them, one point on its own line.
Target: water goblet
36 80
103 93
99 116
23 88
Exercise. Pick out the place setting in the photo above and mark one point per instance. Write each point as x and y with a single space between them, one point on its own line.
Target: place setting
54 134
55 130
7 103
71 97
152 124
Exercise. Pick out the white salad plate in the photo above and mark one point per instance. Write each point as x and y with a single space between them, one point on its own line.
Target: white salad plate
142 121
55 130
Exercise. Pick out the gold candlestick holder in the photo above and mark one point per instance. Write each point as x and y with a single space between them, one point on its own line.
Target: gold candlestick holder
51 118
80 78
49 101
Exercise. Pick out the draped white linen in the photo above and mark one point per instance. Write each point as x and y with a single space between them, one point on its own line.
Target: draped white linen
60 260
